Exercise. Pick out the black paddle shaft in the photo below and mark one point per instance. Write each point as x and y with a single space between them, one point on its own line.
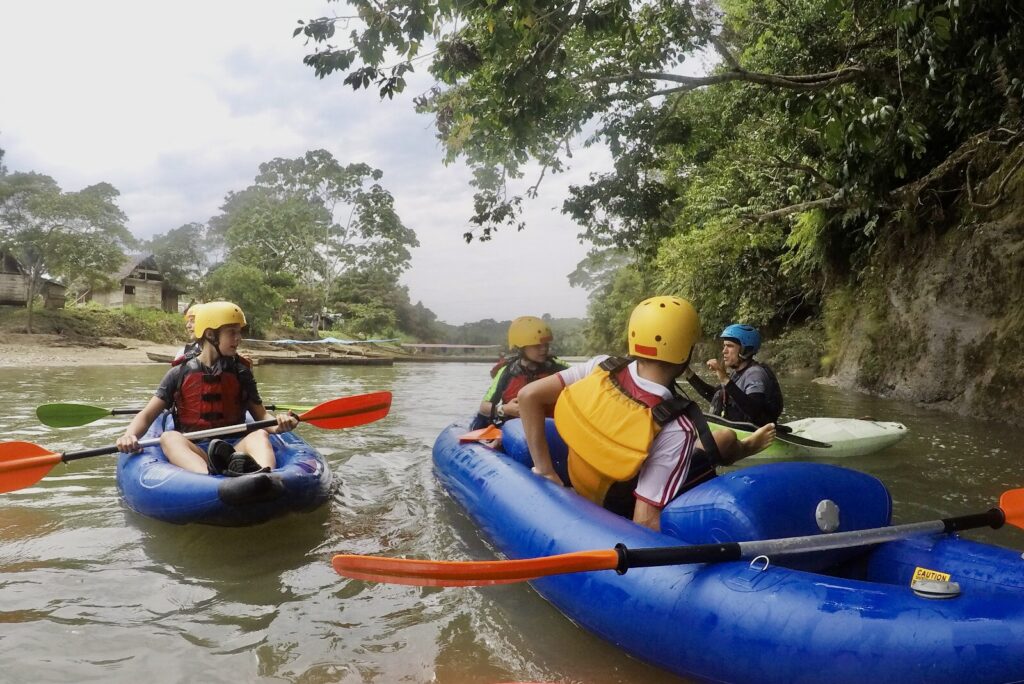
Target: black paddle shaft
994 518
194 436
675 555
731 551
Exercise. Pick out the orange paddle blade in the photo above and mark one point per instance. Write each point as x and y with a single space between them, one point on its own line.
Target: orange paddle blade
23 464
483 434
349 411
1012 503
428 573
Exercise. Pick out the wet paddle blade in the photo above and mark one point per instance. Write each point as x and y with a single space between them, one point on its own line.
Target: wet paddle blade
349 411
1012 503
428 573
483 434
22 464
69 415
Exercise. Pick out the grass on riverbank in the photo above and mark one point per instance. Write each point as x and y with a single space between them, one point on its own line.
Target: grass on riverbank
92 321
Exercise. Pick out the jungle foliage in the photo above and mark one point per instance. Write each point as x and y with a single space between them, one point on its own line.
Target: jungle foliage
310 239
78 237
753 188
311 235
569 337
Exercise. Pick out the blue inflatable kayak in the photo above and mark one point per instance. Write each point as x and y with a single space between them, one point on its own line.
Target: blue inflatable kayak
847 615
155 488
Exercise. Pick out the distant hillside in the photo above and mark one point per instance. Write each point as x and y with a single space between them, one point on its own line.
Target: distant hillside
569 335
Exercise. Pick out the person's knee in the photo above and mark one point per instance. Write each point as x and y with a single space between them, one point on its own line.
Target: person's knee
169 437
255 441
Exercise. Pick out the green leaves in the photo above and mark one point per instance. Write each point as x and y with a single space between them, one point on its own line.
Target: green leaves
307 222
773 132
77 236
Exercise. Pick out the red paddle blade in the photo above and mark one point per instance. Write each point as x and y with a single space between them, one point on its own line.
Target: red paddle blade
23 464
428 573
1012 503
481 435
349 411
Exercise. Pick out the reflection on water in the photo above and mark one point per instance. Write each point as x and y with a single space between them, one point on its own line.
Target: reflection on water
92 591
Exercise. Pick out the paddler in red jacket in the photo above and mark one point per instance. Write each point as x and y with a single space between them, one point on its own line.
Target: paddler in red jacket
212 389
530 340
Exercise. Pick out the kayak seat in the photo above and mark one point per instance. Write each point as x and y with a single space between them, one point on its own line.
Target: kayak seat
779 500
513 443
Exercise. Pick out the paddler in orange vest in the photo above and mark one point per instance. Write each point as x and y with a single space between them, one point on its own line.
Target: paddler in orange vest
529 339
625 425
212 389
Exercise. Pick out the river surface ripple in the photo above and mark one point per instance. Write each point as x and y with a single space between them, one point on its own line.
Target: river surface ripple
90 591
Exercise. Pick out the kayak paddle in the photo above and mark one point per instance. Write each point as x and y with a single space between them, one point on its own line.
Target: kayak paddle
783 432
621 559
73 415
482 435
23 464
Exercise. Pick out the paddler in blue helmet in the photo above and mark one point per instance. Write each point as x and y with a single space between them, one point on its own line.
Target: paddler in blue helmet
748 392
634 443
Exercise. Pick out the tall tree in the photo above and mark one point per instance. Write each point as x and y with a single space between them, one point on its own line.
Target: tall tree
181 255
818 121
79 235
257 293
520 80
317 220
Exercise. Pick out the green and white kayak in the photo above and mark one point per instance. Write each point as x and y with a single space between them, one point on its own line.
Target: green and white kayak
825 437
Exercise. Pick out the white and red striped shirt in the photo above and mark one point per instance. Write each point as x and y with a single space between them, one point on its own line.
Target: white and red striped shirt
669 457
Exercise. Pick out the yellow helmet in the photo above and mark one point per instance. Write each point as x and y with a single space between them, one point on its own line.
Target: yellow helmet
663 328
213 315
528 330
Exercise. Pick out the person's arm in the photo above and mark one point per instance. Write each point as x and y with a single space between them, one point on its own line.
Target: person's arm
493 395
286 420
535 401
129 441
703 389
647 515
754 405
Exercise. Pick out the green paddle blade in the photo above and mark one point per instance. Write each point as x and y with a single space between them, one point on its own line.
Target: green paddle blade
69 415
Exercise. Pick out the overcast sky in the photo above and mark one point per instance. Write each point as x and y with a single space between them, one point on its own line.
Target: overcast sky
176 104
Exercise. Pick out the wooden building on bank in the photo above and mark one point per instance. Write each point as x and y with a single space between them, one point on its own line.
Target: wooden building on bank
14 281
139 283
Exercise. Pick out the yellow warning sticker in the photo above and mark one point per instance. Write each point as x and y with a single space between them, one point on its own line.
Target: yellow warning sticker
926 574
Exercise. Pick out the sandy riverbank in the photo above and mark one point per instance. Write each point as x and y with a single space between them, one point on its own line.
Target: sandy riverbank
30 351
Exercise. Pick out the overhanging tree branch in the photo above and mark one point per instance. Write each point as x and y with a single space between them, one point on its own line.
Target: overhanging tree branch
822 203
792 82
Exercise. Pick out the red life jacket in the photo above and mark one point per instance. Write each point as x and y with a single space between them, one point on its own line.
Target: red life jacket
519 377
206 400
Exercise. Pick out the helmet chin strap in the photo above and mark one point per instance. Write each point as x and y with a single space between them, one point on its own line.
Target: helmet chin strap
215 342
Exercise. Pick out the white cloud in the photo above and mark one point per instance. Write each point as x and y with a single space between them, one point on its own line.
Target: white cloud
176 105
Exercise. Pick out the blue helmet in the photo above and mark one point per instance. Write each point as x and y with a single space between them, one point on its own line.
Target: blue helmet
744 335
